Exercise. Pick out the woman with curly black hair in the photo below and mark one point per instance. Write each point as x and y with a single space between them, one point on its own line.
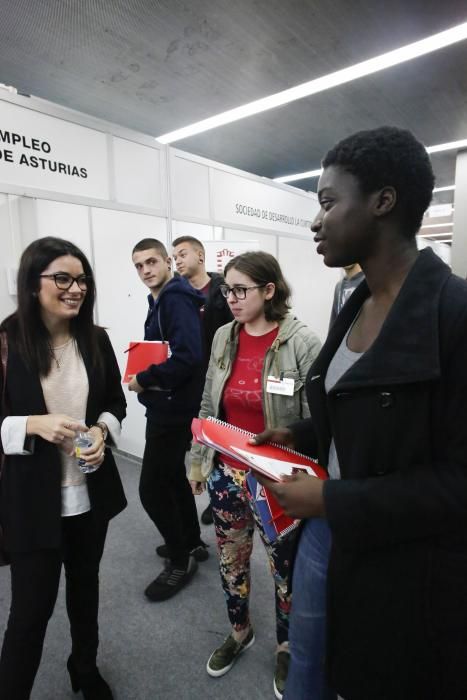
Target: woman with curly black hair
387 396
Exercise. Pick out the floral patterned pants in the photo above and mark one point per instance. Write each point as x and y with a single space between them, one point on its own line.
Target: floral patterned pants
234 520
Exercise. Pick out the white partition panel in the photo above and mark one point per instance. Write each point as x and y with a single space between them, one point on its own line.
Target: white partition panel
69 221
311 281
139 175
190 187
122 297
203 232
266 242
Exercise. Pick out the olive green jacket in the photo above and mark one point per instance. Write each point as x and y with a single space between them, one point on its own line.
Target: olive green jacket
290 355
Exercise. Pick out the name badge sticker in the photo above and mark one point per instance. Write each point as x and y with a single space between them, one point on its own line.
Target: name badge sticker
284 386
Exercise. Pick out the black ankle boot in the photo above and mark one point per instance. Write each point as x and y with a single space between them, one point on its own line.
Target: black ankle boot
91 684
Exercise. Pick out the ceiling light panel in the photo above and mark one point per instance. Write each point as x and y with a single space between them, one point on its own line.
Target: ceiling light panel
436 236
299 176
312 87
451 146
435 226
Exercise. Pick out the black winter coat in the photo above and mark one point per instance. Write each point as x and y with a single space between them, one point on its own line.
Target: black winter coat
397 587
30 503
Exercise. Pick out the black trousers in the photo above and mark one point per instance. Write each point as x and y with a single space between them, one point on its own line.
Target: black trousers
164 488
35 578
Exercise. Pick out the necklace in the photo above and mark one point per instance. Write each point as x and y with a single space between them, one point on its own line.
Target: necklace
57 358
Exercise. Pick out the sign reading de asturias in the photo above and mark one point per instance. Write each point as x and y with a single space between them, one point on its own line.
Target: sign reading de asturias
35 153
44 153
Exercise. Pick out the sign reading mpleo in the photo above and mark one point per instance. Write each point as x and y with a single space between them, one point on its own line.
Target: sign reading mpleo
42 152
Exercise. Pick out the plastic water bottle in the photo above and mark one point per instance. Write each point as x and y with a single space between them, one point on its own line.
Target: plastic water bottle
82 441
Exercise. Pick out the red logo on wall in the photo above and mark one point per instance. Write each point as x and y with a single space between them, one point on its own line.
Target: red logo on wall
222 258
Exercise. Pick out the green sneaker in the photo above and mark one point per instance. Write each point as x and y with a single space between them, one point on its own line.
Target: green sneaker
280 673
223 658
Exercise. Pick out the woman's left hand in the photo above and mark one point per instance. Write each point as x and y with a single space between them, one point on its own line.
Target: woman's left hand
300 495
94 455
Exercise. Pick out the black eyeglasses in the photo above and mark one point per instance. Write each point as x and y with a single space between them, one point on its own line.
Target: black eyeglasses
238 291
65 282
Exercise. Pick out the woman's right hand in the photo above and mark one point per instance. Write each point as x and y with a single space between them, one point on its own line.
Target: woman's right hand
283 436
54 427
197 487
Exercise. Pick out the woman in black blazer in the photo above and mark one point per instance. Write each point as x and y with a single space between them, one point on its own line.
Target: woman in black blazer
61 374
387 396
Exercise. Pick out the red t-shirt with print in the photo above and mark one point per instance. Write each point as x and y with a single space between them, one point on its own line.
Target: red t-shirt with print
242 397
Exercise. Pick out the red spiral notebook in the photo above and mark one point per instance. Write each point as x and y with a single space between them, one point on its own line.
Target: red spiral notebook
269 459
141 354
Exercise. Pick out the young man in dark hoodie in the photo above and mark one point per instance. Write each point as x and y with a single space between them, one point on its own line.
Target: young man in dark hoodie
189 257
171 393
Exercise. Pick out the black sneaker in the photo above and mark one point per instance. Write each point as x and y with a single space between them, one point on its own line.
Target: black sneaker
163 551
200 553
206 516
171 580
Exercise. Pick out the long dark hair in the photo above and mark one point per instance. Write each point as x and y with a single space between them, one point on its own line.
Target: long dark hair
262 268
25 326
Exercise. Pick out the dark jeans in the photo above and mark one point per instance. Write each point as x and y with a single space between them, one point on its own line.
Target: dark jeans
165 491
35 578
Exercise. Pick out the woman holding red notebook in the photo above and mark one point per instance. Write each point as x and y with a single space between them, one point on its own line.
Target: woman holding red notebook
255 380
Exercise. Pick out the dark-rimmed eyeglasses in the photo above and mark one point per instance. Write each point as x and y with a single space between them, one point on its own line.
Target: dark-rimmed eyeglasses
64 281
239 292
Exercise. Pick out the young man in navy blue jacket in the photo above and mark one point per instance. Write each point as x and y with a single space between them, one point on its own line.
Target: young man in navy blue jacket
171 393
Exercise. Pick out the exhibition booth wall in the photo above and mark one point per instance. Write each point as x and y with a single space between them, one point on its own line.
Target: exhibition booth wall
66 174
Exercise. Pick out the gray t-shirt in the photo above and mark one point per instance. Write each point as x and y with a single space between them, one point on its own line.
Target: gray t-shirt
340 363
342 292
